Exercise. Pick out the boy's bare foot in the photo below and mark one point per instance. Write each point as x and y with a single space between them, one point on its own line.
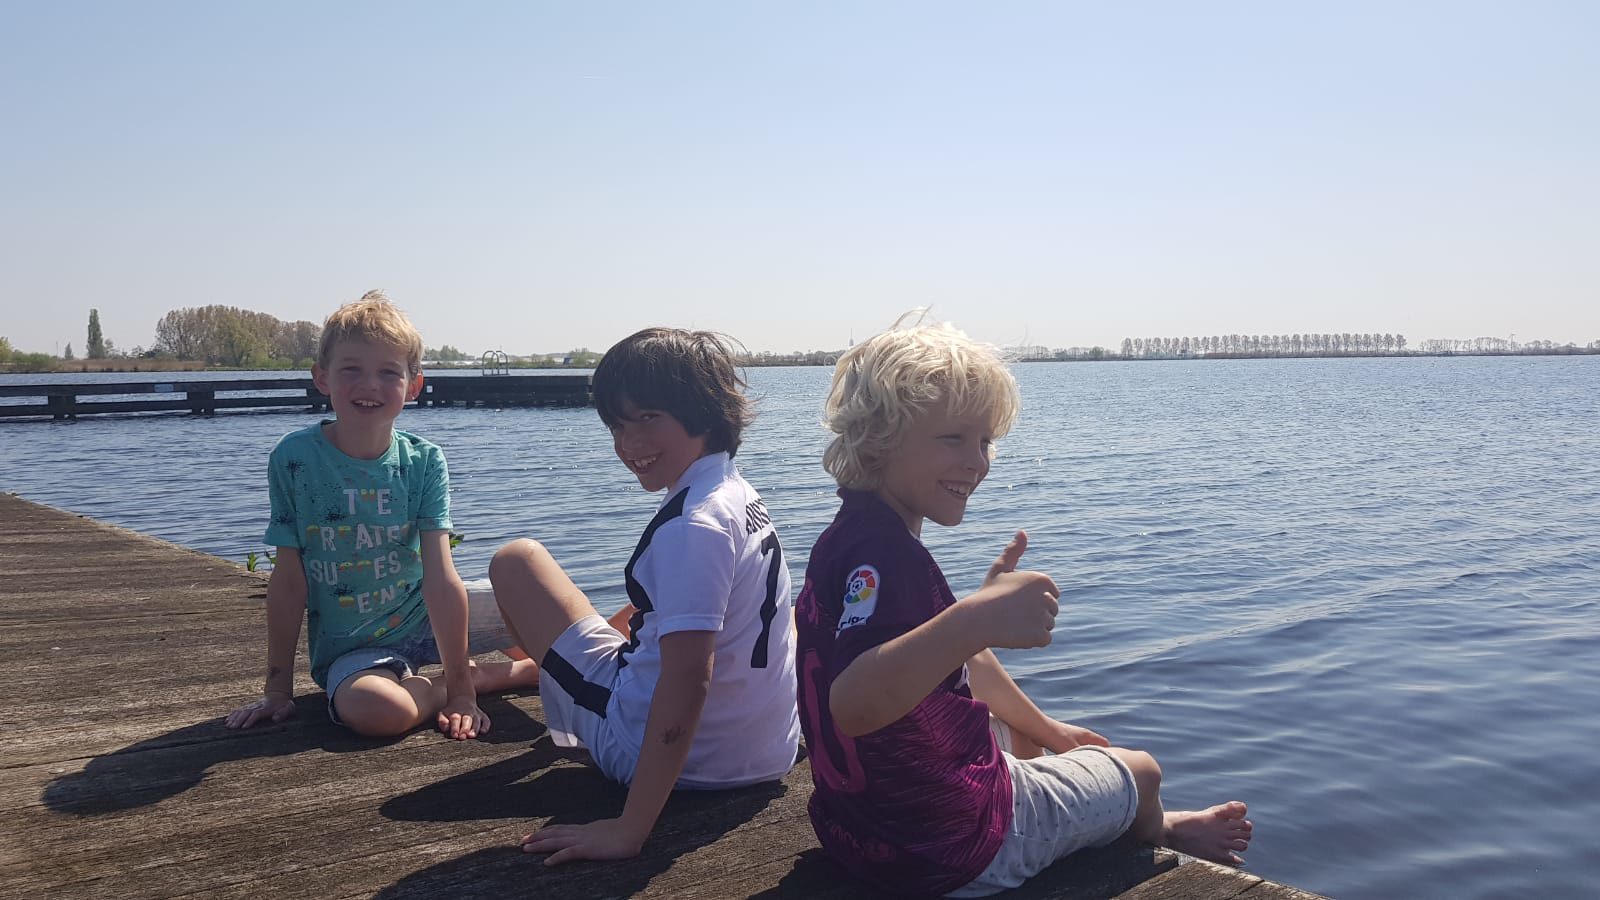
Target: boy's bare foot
1218 834
494 677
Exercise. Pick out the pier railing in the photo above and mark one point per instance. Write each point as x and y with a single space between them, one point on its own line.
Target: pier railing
68 400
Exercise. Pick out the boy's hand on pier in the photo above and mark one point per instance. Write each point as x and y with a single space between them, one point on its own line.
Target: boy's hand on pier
604 839
462 720
1019 608
274 707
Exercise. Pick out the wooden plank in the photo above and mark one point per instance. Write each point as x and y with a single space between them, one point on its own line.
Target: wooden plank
118 778
1194 880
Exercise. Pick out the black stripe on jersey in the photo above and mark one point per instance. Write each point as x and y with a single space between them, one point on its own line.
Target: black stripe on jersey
670 510
593 697
769 604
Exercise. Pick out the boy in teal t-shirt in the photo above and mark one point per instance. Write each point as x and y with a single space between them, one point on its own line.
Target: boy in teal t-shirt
361 520
358 526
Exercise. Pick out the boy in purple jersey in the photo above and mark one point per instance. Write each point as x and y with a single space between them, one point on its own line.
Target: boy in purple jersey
908 715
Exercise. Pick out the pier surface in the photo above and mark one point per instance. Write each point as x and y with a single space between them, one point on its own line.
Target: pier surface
118 778
70 399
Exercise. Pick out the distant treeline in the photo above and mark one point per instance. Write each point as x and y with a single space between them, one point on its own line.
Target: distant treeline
226 336
1341 344
1247 346
240 338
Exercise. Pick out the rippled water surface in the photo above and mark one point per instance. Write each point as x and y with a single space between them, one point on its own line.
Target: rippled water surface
1358 594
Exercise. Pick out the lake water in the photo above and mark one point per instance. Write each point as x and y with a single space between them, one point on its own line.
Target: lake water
1360 595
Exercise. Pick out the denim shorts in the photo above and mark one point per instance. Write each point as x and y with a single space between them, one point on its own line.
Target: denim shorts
418 649
485 632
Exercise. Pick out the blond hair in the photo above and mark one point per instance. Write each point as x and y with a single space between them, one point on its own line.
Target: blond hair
883 384
372 318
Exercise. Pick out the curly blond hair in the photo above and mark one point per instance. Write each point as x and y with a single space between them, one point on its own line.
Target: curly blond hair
372 318
881 385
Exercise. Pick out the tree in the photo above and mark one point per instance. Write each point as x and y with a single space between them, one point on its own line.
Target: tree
97 341
5 349
446 353
296 341
227 335
179 333
68 354
238 343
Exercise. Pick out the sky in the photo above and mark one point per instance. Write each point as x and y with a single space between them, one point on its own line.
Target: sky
538 177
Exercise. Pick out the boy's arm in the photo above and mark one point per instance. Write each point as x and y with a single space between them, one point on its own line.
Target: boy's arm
446 599
680 696
991 683
286 608
1012 609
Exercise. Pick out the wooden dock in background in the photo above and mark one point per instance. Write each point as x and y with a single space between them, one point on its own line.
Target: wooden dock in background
70 399
119 780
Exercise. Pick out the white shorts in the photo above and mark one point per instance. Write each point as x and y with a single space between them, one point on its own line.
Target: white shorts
1059 804
575 681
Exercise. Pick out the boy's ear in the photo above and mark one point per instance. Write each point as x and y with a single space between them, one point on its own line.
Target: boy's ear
416 388
320 379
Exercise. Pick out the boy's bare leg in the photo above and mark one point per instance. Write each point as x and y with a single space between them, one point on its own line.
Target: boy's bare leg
537 599
378 703
621 618
492 677
1218 834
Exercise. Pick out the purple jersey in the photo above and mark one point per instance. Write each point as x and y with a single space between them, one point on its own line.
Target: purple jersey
921 805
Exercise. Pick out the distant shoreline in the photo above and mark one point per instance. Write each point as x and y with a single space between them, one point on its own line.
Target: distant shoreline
128 364
1408 354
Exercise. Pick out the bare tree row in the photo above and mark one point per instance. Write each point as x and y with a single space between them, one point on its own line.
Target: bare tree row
1262 344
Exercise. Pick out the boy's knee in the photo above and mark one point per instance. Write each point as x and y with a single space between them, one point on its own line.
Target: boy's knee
515 558
375 705
376 717
1146 772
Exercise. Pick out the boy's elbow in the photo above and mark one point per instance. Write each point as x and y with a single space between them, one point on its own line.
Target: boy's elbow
443 587
850 726
286 584
851 716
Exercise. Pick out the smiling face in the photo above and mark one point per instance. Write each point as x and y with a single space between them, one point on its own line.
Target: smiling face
368 383
654 446
940 460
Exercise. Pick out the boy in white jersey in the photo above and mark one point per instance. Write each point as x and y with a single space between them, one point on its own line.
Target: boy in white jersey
693 683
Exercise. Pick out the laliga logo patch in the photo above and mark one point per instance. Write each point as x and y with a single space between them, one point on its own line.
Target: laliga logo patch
860 596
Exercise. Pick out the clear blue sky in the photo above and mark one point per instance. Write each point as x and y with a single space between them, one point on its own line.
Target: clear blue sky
538 177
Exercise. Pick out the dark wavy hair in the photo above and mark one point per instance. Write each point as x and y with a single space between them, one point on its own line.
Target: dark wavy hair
689 374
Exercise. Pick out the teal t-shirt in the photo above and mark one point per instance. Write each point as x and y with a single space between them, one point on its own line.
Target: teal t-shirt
357 524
